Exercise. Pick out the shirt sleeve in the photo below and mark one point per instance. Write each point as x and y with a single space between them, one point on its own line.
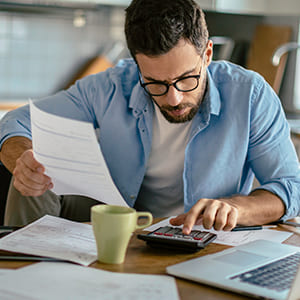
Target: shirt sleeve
271 152
83 101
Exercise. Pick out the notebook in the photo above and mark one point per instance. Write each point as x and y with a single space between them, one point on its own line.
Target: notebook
260 268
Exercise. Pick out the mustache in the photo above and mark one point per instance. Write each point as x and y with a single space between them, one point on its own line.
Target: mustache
177 107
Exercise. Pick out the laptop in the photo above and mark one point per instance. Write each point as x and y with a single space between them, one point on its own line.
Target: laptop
261 269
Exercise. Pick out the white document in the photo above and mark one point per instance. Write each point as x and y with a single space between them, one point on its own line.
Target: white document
66 281
234 238
54 237
71 154
6 271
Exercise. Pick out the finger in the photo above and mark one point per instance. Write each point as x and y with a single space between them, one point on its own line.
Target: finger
231 220
30 183
29 177
28 190
192 216
177 221
221 217
35 177
209 215
199 221
28 159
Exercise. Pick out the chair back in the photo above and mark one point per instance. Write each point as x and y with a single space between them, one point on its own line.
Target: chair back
5 177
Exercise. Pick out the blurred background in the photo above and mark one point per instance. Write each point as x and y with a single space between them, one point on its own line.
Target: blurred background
45 45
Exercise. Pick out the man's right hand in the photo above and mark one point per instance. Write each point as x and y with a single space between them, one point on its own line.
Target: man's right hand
29 176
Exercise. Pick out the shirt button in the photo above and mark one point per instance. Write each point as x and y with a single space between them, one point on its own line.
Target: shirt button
132 197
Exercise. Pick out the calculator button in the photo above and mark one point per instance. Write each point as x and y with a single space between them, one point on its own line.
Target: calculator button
172 230
177 236
162 230
207 235
194 233
168 234
201 234
158 233
198 238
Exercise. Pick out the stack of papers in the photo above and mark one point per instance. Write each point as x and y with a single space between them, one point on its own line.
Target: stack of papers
54 237
54 280
71 241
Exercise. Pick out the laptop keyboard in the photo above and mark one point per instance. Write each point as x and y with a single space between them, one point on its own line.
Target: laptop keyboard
277 275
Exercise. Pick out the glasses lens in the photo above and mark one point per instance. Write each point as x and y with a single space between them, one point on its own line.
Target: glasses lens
156 89
187 84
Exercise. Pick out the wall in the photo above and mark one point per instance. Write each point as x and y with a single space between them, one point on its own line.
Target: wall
40 51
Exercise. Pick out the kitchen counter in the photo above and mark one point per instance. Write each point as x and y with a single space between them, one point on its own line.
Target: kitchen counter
6 106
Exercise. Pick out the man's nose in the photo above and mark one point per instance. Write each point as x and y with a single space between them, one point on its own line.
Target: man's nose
174 97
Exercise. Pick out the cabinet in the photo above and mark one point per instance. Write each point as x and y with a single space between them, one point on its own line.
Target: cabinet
113 2
254 7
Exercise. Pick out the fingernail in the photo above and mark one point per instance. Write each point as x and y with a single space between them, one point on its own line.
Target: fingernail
185 230
39 169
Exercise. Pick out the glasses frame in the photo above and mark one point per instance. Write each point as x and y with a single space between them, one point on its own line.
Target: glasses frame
167 85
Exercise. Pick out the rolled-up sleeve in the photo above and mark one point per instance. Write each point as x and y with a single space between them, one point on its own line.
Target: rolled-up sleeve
271 152
15 123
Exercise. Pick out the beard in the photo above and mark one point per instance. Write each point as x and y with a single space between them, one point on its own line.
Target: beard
194 108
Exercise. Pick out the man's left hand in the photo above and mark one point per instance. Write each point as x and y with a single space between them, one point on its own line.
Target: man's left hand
220 214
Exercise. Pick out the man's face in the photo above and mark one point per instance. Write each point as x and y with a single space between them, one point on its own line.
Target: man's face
180 62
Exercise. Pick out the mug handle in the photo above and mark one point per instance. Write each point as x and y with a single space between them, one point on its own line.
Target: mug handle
144 214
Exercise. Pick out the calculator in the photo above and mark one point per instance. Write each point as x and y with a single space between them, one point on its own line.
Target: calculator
172 237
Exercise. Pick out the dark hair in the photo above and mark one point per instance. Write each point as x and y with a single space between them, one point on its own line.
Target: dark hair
154 27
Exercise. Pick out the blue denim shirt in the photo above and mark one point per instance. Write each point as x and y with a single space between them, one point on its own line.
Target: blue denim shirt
240 130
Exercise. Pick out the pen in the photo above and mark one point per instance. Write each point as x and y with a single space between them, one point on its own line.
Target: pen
290 223
254 227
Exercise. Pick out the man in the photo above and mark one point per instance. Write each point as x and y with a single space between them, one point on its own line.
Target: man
179 132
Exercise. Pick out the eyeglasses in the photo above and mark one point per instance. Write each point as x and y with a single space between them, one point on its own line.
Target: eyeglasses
184 84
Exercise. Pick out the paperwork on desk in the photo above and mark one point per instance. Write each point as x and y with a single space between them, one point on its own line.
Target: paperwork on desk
54 237
71 154
5 271
234 238
66 281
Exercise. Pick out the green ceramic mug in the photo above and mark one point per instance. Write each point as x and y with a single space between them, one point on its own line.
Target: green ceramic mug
113 226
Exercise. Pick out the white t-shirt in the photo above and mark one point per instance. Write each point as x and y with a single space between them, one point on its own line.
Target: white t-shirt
162 189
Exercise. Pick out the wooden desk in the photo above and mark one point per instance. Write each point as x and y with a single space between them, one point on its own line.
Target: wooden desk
143 259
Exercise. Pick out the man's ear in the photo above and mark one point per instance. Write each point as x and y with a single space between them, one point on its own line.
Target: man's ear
208 53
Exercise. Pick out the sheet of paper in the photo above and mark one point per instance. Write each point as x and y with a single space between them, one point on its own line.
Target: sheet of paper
67 281
72 157
6 271
234 238
54 237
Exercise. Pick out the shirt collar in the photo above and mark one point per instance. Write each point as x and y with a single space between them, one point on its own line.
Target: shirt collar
139 99
212 95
